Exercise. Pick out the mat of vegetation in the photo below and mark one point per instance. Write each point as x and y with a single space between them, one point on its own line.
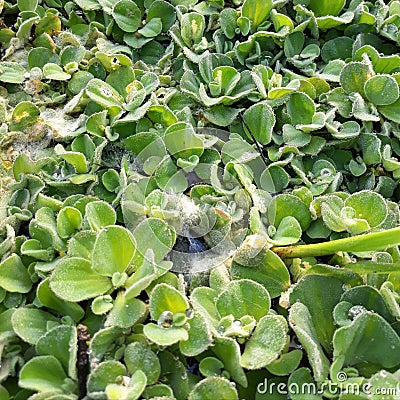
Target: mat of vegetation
199 199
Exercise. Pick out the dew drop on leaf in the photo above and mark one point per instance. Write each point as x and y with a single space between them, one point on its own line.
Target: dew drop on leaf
165 319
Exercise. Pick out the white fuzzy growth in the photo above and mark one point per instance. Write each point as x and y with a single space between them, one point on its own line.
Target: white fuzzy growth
189 211
61 125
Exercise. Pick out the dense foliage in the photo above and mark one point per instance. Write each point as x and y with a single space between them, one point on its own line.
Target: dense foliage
199 199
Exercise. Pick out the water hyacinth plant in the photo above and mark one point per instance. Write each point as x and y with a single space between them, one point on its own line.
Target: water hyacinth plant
199 199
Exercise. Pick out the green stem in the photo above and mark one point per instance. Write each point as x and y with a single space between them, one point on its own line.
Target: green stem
368 242
370 267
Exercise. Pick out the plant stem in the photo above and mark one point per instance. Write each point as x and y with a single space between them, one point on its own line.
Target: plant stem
82 359
368 242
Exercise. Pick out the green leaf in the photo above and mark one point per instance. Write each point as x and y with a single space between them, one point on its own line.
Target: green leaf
326 7
164 336
243 297
11 72
47 298
75 280
353 77
100 214
300 108
14 277
166 298
105 373
126 313
154 234
139 356
27 5
182 142
199 337
227 78
256 10
260 119
55 72
104 94
302 378
300 321
113 250
24 115
369 298
60 342
127 15
288 232
362 341
77 159
81 245
286 363
152 28
285 205
214 387
381 90
228 351
42 374
266 343
210 366
320 294
274 179
391 111
163 10
132 392
69 220
102 304
192 28
141 278
270 271
30 324
368 205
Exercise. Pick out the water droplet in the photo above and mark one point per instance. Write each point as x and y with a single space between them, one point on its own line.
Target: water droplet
189 313
165 319
355 311
325 172
237 324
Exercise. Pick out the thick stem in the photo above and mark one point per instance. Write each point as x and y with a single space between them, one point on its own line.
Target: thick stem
82 359
368 242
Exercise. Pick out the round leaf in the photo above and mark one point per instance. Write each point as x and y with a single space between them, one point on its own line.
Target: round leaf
126 313
74 280
166 298
212 388
127 15
139 356
164 336
105 373
244 297
100 214
368 205
113 250
285 205
353 77
381 90
14 277
69 220
266 343
42 374
60 342
300 108
30 324
260 120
